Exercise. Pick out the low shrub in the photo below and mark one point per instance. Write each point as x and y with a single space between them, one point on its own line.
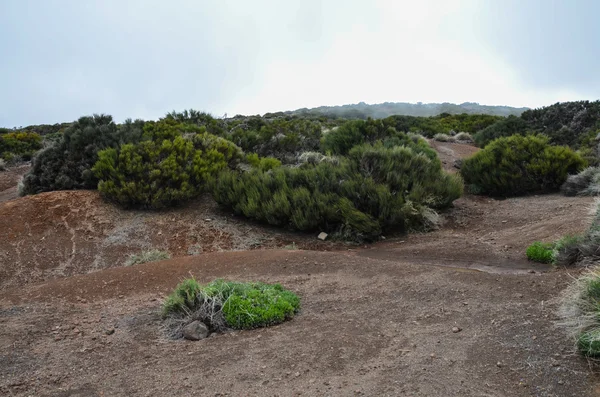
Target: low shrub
19 144
586 183
444 138
147 256
262 163
226 304
374 188
580 312
2 165
518 165
168 169
67 164
567 250
463 136
512 125
540 252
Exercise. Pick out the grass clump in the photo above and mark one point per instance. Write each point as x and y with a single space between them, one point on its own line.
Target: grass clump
2 165
444 138
224 304
463 136
580 312
147 256
586 183
541 252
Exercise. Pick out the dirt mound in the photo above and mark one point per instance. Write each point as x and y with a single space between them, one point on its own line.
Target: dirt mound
449 152
367 327
60 234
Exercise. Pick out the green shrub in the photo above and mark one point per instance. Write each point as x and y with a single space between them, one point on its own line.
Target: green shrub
540 252
509 126
2 165
164 171
226 304
67 164
375 188
518 165
567 250
19 144
147 256
262 163
588 343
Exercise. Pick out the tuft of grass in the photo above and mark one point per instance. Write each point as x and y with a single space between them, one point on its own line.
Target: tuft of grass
2 165
541 252
147 256
580 312
444 138
225 304
567 250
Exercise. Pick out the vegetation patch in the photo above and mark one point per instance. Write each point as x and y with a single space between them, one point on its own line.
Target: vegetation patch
374 188
586 183
223 305
19 145
519 165
147 256
580 312
541 252
444 138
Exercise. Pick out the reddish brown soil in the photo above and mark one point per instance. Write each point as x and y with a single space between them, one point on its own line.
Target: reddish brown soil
375 321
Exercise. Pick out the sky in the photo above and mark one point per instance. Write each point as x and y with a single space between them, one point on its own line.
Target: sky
62 59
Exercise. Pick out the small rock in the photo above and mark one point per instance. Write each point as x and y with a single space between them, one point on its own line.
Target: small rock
534 337
532 271
109 331
322 236
499 364
560 382
456 329
297 374
195 330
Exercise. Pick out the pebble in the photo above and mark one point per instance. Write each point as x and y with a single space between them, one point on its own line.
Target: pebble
456 329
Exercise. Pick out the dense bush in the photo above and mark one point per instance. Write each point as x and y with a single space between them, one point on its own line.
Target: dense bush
375 188
167 169
67 164
519 165
19 144
226 304
509 126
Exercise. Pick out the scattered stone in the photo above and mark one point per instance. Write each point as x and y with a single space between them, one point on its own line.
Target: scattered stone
499 364
456 329
195 330
322 236
532 271
560 382
109 331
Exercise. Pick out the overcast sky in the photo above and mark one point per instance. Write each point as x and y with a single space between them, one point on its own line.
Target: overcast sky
61 59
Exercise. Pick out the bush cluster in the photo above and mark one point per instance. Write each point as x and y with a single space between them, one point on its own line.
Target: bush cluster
374 188
22 145
168 167
519 165
67 164
226 304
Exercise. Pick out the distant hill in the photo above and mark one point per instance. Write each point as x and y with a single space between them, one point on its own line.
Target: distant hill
378 111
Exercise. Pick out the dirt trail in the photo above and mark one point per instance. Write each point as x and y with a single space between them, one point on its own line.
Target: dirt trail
375 320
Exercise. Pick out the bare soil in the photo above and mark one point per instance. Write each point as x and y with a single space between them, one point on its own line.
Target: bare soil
375 321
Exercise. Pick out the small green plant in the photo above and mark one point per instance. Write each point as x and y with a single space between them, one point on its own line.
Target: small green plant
147 256
541 252
227 304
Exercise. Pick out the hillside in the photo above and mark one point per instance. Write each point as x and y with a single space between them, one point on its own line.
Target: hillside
382 110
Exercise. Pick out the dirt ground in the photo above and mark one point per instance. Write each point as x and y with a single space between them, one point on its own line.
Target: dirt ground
375 320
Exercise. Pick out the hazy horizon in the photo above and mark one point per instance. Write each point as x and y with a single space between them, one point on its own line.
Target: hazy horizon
141 59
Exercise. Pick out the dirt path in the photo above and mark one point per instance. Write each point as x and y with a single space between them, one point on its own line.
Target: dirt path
367 327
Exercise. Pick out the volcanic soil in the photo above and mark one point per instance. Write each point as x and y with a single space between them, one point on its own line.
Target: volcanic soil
454 312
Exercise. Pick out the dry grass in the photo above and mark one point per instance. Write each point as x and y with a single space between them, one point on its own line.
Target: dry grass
147 256
444 138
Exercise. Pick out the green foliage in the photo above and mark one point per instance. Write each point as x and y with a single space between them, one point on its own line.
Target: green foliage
166 170
375 188
567 250
147 256
242 305
21 144
588 343
504 128
262 163
444 138
67 164
463 136
519 165
541 252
